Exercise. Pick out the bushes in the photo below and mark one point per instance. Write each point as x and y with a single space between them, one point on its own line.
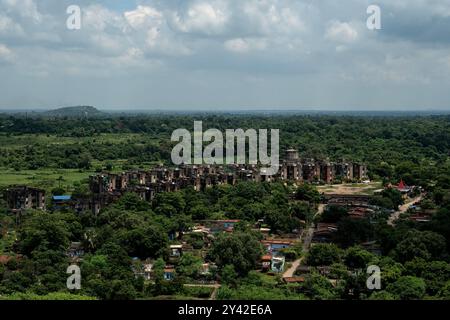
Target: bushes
323 255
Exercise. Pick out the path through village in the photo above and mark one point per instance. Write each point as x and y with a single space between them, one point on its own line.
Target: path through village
396 215
305 238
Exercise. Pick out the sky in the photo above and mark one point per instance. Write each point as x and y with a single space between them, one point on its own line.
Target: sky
222 55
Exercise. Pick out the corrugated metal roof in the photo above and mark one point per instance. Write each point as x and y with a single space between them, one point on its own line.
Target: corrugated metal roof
62 198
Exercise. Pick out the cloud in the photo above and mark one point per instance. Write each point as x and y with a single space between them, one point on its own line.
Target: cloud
341 32
9 28
302 52
202 17
24 8
144 16
240 45
6 55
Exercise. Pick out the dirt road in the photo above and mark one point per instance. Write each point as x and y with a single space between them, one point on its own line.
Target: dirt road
394 217
306 239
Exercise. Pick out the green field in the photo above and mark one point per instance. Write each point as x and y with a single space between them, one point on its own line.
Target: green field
21 140
43 178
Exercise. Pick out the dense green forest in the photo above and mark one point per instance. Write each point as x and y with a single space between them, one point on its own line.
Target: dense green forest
413 148
414 256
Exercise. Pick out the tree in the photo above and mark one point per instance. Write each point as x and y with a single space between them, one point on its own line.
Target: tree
444 293
382 295
132 202
323 255
391 270
228 275
318 287
383 202
189 265
333 214
408 288
394 195
241 250
353 231
143 242
58 191
307 192
42 231
357 258
421 244
435 273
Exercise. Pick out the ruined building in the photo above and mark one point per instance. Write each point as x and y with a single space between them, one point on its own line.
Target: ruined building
22 197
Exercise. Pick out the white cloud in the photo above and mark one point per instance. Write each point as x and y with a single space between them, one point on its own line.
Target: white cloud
24 8
240 45
9 27
321 42
98 18
271 17
143 16
6 55
341 32
202 17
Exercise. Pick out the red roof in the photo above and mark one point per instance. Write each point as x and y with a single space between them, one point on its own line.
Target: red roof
294 279
5 259
266 257
401 185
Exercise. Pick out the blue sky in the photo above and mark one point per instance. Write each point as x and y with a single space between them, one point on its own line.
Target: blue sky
225 54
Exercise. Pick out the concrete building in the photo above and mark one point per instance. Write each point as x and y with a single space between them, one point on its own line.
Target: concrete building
23 197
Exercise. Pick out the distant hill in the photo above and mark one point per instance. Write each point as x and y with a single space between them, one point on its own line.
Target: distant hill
74 112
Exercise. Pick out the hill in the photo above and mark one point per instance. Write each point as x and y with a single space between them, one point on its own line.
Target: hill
75 112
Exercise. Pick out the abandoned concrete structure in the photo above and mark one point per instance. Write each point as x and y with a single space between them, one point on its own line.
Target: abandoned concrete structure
22 197
106 187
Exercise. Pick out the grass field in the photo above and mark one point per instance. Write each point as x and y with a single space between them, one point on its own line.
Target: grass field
43 178
351 188
48 178
19 141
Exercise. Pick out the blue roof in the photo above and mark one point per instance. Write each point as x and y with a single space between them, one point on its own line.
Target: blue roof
62 198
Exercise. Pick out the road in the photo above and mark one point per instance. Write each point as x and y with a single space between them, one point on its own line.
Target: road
306 239
216 287
394 217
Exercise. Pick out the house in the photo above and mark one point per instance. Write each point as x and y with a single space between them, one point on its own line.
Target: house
274 246
278 264
176 250
62 202
208 270
288 280
324 232
75 251
169 273
148 271
404 189
266 262
4 259
372 246
216 226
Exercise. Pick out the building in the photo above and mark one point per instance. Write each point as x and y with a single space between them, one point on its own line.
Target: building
62 202
278 264
22 197
75 251
274 245
106 187
266 262
169 273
